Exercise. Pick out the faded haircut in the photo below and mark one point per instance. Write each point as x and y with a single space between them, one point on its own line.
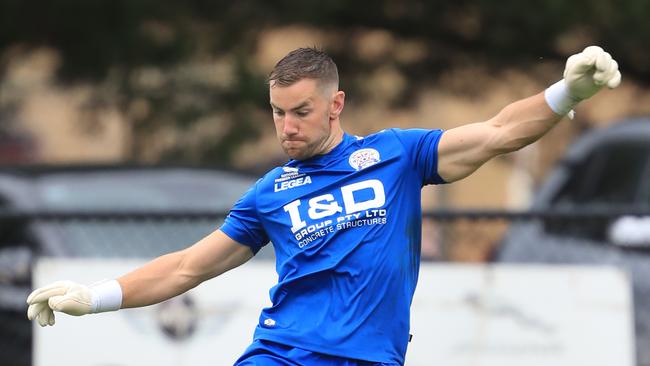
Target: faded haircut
305 63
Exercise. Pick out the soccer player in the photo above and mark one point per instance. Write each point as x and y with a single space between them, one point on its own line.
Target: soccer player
343 215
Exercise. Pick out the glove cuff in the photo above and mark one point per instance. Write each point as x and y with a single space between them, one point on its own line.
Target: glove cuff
559 100
105 296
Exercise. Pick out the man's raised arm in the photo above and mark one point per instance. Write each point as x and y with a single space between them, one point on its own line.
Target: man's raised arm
163 278
464 149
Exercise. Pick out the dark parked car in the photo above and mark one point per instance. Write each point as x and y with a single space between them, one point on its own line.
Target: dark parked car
100 190
607 169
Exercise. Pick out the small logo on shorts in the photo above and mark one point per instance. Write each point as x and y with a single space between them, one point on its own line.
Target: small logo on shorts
364 158
269 322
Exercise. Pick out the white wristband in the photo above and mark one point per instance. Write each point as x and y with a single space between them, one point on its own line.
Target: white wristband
106 296
559 100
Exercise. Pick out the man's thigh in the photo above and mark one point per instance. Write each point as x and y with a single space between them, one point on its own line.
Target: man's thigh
266 353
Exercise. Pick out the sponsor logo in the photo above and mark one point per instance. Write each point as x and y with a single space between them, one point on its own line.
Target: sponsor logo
328 215
288 184
364 158
291 178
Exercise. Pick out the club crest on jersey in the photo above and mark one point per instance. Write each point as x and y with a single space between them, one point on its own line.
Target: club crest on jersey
364 158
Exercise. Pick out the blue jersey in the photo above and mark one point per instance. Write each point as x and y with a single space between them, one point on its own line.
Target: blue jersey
346 229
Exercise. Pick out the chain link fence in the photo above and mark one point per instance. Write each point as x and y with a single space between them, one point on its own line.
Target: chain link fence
619 238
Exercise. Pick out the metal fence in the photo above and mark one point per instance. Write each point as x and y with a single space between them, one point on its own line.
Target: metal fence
596 236
449 235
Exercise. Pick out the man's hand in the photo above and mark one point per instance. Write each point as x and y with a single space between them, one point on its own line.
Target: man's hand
73 299
584 75
64 296
588 71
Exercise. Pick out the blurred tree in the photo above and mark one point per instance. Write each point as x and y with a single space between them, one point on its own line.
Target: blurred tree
157 58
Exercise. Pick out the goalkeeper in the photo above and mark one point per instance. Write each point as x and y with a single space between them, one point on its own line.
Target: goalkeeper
343 215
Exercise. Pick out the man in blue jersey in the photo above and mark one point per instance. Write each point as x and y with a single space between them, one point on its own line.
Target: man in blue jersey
343 215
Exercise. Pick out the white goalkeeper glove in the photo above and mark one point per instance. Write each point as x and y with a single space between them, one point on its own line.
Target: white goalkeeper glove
585 74
73 299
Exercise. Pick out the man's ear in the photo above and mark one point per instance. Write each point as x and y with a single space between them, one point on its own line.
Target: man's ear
338 102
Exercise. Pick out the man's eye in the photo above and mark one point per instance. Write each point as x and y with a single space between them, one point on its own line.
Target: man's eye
302 113
278 113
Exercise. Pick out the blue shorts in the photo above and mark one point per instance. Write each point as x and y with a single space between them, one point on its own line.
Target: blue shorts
267 353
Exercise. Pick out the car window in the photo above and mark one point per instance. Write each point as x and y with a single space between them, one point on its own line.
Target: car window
612 174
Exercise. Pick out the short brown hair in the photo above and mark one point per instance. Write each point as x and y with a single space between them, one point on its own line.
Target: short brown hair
304 63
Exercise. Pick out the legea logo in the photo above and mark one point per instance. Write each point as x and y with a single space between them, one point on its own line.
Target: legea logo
364 158
290 178
287 184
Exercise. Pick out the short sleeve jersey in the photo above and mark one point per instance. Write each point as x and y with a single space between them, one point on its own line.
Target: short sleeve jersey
346 229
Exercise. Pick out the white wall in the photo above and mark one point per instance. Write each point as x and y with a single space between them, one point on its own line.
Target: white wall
462 315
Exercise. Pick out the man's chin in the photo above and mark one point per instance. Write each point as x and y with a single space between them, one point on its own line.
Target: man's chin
296 154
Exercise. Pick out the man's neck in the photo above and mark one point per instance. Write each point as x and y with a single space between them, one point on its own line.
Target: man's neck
333 141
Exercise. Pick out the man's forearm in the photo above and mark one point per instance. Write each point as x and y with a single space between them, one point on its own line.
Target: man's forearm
522 123
156 281
173 274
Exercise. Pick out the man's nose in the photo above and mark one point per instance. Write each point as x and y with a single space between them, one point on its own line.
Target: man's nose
290 126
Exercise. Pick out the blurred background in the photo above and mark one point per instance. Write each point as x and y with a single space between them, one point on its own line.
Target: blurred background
119 116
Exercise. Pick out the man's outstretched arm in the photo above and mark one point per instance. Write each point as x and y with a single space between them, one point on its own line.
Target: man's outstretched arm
464 149
163 278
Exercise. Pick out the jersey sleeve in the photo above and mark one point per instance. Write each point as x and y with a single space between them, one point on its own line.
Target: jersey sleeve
421 145
243 225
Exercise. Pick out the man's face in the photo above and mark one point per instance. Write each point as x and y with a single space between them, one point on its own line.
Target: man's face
301 113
